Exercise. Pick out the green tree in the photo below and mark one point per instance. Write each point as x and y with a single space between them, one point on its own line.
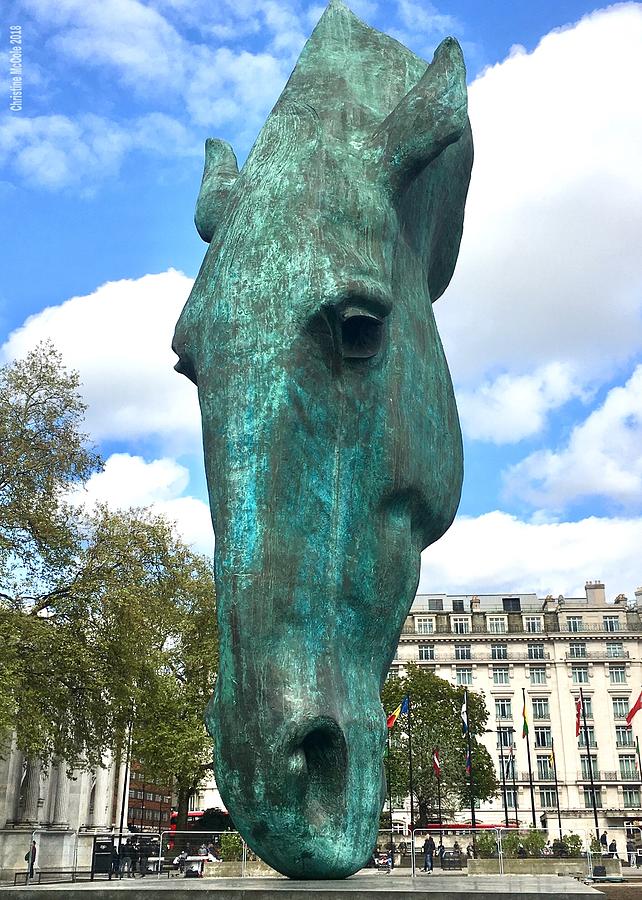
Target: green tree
436 722
44 454
102 615
169 736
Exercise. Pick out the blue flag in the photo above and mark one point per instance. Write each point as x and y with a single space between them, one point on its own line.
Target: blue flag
404 706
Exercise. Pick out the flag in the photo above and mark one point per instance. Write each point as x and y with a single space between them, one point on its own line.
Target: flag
524 720
578 716
552 755
464 715
636 706
468 762
436 765
392 718
399 711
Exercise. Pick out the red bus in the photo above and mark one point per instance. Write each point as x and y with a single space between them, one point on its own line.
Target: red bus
193 818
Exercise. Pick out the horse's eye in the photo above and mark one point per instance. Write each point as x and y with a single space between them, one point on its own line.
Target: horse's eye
361 333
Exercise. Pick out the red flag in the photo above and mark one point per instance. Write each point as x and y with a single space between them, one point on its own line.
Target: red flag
636 706
436 765
578 715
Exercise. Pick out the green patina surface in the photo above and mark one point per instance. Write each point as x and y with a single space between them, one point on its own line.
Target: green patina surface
332 443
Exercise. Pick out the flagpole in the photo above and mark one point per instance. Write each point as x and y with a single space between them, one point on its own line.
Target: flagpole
528 756
637 747
470 762
388 777
557 790
590 767
501 756
438 777
412 786
512 757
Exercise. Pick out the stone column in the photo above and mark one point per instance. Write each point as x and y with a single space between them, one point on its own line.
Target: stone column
61 804
28 814
99 814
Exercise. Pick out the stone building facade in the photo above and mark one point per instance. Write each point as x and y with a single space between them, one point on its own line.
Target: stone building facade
61 814
498 644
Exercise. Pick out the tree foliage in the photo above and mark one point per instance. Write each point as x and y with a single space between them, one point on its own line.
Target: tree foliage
108 618
436 722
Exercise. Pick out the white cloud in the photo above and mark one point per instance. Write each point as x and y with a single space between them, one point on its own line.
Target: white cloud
603 457
56 151
497 552
119 339
513 407
549 265
128 480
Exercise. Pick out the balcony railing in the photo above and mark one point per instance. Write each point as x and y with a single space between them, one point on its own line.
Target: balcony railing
599 775
596 654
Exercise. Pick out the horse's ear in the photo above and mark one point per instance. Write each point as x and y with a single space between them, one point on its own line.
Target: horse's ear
220 173
432 115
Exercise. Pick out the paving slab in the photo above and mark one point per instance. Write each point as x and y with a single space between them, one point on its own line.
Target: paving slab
359 887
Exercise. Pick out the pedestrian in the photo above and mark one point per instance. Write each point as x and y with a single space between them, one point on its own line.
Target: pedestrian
630 851
142 860
115 860
521 852
30 858
613 850
604 842
429 854
391 847
126 859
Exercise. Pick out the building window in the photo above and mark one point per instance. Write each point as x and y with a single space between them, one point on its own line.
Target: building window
588 799
542 736
499 651
544 768
540 708
503 709
424 625
426 651
538 675
500 675
623 736
628 769
510 798
620 707
588 707
533 624
617 674
511 604
591 736
461 625
631 798
577 650
497 625
464 675
580 674
509 767
547 798
505 737
584 762
575 623
611 623
615 649
436 604
458 604
462 651
536 651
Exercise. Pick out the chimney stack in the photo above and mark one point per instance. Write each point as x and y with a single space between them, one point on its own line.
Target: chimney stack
595 593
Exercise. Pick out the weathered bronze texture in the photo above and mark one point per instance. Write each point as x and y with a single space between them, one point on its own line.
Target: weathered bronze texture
332 443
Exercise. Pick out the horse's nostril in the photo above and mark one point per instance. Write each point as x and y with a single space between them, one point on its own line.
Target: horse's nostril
325 753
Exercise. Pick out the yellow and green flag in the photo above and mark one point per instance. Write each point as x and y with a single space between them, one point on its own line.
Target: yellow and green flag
524 721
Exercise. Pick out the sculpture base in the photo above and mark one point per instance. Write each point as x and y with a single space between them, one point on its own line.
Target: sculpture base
359 887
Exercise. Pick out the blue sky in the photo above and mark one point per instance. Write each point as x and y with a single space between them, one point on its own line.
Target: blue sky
542 323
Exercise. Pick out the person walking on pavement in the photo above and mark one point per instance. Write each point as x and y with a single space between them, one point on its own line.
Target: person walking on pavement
429 854
30 858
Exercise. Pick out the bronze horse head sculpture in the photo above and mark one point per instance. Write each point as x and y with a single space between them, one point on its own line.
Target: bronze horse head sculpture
331 438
